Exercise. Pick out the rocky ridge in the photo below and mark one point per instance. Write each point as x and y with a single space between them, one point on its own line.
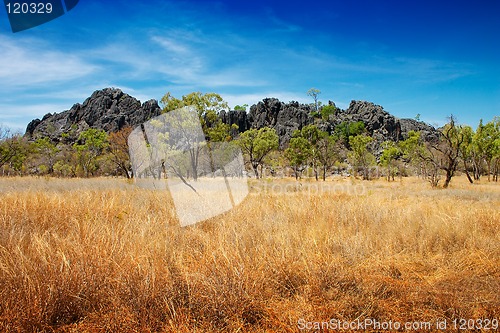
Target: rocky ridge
111 109
288 117
108 109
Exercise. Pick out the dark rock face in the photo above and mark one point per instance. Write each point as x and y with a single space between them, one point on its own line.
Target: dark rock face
239 117
427 132
111 109
285 118
382 125
108 109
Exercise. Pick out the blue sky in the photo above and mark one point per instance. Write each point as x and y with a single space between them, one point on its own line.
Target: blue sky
431 58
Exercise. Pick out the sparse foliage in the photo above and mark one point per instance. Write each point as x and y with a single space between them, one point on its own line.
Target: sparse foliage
119 151
241 107
466 149
412 150
320 150
208 107
328 152
485 145
90 146
389 157
256 144
312 134
327 111
360 156
298 153
445 153
47 153
313 92
8 146
347 129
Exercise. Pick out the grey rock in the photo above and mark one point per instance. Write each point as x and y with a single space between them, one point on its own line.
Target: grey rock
379 123
111 109
108 109
284 118
427 132
236 117
383 126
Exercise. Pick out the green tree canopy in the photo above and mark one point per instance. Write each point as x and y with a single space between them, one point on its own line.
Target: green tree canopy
347 129
241 107
327 151
298 153
256 144
313 92
208 106
312 134
390 153
48 151
360 156
412 146
466 150
321 150
91 144
485 143
327 111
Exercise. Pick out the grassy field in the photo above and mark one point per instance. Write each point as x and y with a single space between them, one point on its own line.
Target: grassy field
101 255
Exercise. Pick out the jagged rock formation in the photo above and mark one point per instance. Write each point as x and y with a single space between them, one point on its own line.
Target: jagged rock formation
285 118
427 132
236 117
381 125
109 109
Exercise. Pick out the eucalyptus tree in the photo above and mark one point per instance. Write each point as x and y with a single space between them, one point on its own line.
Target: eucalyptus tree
257 144
360 156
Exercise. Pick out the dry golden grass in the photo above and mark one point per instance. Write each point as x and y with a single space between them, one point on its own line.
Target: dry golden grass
104 256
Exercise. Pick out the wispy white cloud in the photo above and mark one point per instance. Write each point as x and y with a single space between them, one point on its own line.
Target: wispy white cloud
19 111
176 60
427 70
279 24
119 60
381 65
186 60
172 45
28 62
18 116
69 94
